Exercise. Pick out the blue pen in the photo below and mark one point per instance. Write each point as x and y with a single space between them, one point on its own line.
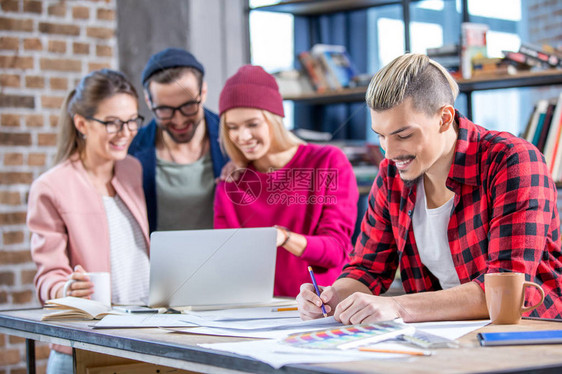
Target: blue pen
317 289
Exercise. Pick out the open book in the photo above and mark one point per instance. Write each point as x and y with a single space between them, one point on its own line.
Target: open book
76 308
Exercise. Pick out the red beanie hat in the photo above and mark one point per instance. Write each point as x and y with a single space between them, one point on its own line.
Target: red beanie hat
251 87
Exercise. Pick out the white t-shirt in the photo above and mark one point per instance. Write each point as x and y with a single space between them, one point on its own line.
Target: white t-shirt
430 231
130 268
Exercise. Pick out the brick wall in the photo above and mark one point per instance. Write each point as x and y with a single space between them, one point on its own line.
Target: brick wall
545 22
45 47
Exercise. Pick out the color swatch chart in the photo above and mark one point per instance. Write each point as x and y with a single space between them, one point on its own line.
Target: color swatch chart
346 337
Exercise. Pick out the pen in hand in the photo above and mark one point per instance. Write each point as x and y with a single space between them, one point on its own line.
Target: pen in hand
317 290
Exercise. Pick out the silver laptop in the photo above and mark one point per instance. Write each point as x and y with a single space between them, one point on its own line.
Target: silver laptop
212 267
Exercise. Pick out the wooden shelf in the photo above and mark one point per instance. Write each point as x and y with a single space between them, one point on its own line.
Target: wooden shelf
346 95
526 79
315 7
523 79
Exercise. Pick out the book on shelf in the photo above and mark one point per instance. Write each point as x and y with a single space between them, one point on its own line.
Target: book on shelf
553 137
318 51
544 130
444 50
329 67
540 108
521 60
525 132
337 61
75 308
474 46
546 127
548 60
448 62
360 152
556 159
550 49
492 67
313 136
292 82
313 71
541 123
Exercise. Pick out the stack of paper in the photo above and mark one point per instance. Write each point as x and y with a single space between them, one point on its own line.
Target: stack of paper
277 354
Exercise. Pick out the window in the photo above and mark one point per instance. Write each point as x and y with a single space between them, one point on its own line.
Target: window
273 51
437 22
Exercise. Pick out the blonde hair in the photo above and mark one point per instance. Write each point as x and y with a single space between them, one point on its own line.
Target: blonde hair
412 75
281 138
84 100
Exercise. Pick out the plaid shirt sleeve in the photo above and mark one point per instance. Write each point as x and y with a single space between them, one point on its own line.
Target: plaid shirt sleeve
522 226
375 258
523 223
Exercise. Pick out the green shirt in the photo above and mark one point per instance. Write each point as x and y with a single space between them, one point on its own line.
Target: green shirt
185 194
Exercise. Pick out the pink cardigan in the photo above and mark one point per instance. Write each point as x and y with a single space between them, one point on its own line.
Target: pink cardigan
68 224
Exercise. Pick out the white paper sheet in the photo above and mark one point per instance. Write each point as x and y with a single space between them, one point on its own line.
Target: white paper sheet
450 329
277 354
257 334
262 324
141 320
243 314
274 302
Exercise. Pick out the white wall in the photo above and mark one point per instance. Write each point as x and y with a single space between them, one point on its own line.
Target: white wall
215 31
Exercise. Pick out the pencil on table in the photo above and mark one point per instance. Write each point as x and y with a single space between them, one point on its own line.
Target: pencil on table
397 351
285 309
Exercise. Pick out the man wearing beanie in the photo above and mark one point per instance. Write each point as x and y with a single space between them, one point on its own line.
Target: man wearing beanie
179 149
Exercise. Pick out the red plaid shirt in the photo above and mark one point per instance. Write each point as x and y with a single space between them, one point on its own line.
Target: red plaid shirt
504 219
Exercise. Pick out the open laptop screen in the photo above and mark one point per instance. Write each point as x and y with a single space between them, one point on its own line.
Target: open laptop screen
212 267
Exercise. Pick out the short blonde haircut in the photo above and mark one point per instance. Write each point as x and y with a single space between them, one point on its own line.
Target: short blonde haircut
281 138
412 75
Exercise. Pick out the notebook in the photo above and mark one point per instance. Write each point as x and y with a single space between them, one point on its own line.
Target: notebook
212 267
520 337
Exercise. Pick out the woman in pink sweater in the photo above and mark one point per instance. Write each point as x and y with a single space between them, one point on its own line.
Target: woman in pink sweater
88 212
308 192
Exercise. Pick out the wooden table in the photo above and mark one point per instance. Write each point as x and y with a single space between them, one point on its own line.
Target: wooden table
157 346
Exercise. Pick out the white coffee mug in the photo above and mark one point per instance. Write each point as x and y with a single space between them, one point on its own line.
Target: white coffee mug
102 287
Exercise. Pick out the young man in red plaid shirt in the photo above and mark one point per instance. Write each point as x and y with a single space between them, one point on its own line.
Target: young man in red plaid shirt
452 202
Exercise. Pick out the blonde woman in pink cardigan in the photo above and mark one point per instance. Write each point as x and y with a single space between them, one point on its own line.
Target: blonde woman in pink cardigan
88 212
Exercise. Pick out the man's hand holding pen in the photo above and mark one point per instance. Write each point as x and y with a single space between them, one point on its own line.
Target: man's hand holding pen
310 304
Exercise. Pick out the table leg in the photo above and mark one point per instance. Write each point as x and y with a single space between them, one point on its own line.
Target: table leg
30 353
